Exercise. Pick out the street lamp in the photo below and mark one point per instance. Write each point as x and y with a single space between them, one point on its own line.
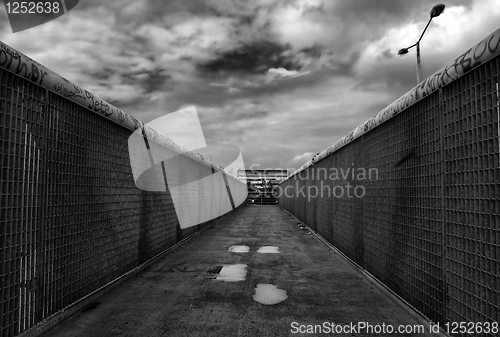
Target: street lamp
435 11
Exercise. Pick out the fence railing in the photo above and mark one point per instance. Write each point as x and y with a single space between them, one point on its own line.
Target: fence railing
416 200
71 216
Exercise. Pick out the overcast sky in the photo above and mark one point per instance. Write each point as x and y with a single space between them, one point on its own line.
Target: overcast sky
282 80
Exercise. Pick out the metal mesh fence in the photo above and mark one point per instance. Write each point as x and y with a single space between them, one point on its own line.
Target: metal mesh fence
71 217
472 189
426 221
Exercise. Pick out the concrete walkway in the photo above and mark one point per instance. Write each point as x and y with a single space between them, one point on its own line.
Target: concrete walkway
178 296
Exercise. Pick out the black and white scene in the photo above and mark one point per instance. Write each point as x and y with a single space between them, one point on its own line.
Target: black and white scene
207 168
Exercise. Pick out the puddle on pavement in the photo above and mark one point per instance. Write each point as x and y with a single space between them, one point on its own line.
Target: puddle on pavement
239 249
231 272
269 294
268 250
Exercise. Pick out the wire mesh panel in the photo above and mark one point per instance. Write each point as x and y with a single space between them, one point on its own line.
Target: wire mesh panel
22 109
325 206
89 235
472 195
346 196
402 209
428 225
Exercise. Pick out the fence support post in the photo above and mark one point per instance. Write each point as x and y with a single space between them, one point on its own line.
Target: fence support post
42 211
442 121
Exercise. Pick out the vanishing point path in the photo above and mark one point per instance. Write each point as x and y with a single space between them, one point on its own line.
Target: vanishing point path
186 293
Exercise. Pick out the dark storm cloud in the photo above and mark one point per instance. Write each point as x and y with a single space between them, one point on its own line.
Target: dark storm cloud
257 57
314 51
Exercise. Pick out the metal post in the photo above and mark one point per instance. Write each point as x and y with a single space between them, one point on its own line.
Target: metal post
41 231
419 68
442 127
498 116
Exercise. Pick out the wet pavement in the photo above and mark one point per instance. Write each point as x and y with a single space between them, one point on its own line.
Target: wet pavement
256 273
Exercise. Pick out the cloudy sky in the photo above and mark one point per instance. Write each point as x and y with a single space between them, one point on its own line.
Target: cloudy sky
282 80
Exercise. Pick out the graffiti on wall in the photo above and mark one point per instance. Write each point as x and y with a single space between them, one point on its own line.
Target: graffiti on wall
21 65
69 92
473 57
84 97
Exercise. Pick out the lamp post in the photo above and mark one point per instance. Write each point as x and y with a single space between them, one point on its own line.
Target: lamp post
435 11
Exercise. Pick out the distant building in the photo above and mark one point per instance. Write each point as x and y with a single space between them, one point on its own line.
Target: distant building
262 180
